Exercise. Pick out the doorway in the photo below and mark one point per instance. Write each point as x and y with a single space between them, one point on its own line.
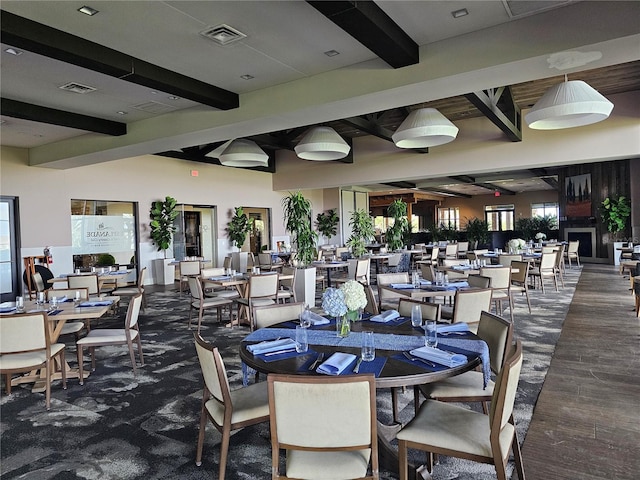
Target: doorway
260 235
195 232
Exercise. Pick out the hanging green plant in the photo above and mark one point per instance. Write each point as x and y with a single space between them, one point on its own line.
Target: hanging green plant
163 213
395 235
239 227
362 231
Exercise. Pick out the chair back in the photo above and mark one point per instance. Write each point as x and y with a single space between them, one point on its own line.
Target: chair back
263 285
340 251
387 279
560 257
548 261
70 293
426 269
451 250
343 418
362 270
478 281
500 276
267 315
226 262
519 272
468 305
212 272
507 259
430 311
462 248
372 305
84 281
504 393
573 246
497 332
38 282
13 329
190 267
289 283
141 276
195 289
213 371
264 259
435 251
394 260
548 249
133 312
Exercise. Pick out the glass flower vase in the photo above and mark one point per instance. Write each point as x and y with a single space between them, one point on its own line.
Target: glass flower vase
343 326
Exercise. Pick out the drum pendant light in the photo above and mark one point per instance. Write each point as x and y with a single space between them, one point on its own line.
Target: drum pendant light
244 153
424 127
322 144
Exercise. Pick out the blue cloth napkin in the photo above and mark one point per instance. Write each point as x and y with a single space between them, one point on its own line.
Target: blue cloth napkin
284 355
271 346
54 312
453 327
385 317
337 363
395 322
103 303
440 356
7 309
402 286
219 278
316 319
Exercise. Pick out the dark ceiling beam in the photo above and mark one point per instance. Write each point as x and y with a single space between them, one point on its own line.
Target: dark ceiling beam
498 105
371 26
546 177
370 126
38 113
489 186
35 37
400 184
440 191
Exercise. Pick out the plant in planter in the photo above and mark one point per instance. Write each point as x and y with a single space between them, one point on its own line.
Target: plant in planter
362 231
327 223
477 231
297 221
615 213
163 213
239 227
105 260
396 233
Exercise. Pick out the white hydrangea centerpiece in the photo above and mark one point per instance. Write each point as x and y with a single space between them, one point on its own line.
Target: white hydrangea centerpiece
344 304
516 244
541 236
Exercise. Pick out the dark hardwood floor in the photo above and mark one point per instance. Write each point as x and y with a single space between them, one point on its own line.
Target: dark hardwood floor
586 423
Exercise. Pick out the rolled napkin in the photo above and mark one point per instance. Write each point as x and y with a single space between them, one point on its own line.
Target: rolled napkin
439 356
271 346
7 309
386 316
316 319
336 363
453 327
402 285
220 277
459 284
424 282
102 303
461 267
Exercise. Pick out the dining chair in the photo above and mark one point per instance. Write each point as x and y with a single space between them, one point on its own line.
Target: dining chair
342 251
546 269
435 256
262 290
428 272
451 251
189 268
430 311
227 410
38 282
520 280
388 299
497 332
226 263
102 337
326 425
84 281
452 430
463 247
287 290
559 267
572 252
201 302
22 352
138 288
468 306
478 281
372 304
392 263
357 270
268 315
500 286
506 259
71 327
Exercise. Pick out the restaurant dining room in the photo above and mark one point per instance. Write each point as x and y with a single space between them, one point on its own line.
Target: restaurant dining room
320 240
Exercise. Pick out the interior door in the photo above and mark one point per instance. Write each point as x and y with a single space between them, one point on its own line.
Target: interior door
193 244
10 286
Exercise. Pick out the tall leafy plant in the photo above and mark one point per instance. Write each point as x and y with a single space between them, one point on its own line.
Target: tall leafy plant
327 223
477 231
615 213
297 221
163 213
396 233
362 231
239 227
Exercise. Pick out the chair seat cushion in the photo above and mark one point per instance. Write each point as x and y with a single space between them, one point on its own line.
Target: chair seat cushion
449 426
71 327
126 291
104 336
12 361
211 302
446 312
327 465
248 403
467 385
260 302
228 294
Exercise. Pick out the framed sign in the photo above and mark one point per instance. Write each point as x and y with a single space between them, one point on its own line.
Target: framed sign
578 195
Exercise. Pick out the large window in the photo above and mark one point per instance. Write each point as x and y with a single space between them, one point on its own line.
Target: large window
548 209
449 217
500 217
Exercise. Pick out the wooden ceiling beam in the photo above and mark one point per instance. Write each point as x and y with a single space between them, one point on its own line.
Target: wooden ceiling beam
498 105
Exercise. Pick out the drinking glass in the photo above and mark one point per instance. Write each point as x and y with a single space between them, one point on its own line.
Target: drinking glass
305 321
416 280
302 343
54 303
368 351
40 298
431 334
416 316
19 304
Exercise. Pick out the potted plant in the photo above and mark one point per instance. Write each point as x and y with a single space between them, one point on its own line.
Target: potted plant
327 223
477 232
362 231
615 213
238 228
163 213
297 221
396 233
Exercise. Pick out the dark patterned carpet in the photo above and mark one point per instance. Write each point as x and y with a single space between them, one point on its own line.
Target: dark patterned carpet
118 426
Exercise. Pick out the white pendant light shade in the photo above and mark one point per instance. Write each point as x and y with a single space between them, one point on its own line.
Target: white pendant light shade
569 104
425 127
244 153
322 144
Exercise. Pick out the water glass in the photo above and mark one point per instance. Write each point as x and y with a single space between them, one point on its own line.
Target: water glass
305 320
431 334
54 303
416 280
19 304
445 280
77 271
368 351
302 343
40 298
416 316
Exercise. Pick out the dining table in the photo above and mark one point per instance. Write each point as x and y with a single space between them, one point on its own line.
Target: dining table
104 277
393 365
85 310
330 265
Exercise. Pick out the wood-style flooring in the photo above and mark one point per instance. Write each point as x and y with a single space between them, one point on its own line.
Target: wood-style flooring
586 423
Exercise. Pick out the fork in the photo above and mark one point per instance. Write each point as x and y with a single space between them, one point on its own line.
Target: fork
317 362
418 359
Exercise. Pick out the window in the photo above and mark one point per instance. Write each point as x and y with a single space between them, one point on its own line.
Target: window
500 217
449 217
548 209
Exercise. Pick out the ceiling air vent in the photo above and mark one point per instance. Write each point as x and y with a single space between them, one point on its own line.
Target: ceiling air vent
77 88
154 107
223 34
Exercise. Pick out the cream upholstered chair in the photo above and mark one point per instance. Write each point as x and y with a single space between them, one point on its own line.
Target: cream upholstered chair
506 259
189 268
427 271
268 315
227 410
357 270
430 311
84 281
520 279
387 299
572 252
71 327
501 287
478 281
138 288
22 353
198 301
463 247
262 290
38 282
99 337
286 290
338 440
497 332
452 430
468 306
546 269
451 251
372 304
559 267
435 254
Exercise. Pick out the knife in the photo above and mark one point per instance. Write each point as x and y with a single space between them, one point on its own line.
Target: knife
280 351
317 361
418 359
356 369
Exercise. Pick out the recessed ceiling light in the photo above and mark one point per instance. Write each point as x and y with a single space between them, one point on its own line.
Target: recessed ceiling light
173 97
331 53
460 13
88 10
122 112
13 51
247 77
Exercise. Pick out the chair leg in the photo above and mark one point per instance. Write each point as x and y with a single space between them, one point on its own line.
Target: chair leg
200 313
201 431
394 404
403 467
517 454
80 364
526 293
63 370
132 355
7 382
224 451
93 358
140 351
47 392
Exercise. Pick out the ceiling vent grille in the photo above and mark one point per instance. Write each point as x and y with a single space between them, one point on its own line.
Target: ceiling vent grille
223 34
153 107
77 88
